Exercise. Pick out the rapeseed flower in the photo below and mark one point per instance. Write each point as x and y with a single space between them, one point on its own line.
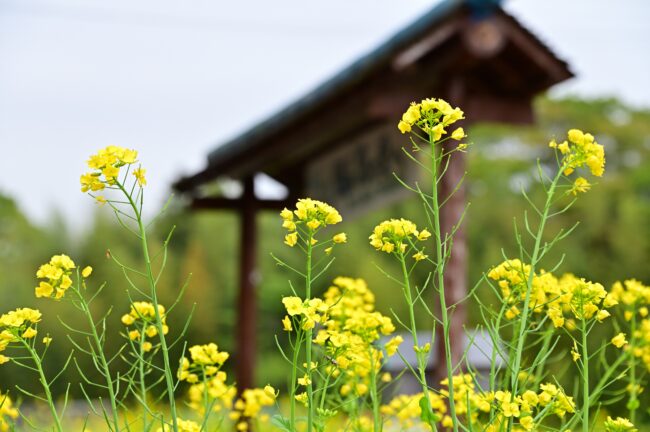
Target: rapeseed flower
580 150
8 413
105 168
396 236
57 277
619 340
143 316
432 116
307 219
619 424
183 426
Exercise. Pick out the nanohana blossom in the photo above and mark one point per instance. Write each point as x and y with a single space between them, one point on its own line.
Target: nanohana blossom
432 116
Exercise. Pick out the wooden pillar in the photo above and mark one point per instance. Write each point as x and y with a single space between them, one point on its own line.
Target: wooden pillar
247 301
455 277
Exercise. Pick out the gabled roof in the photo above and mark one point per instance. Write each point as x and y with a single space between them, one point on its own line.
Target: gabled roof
425 38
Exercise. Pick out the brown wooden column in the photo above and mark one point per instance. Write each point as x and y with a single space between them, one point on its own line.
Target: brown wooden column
455 277
247 301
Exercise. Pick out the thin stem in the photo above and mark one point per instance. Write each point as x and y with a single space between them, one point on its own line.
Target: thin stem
523 324
102 358
375 398
143 385
633 402
292 386
169 379
421 357
585 377
439 269
308 340
44 383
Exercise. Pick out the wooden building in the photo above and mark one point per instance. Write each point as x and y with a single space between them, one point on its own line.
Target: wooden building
469 52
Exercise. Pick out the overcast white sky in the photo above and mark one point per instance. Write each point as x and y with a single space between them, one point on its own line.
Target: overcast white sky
174 78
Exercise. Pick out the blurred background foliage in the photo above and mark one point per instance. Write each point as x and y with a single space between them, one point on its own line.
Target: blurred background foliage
611 243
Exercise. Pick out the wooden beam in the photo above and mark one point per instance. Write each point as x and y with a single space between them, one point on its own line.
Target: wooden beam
221 203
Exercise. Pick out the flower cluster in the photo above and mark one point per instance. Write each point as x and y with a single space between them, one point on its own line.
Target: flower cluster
633 296
183 426
398 236
220 395
562 299
619 424
57 274
206 360
306 313
17 324
351 334
250 406
405 410
143 316
8 413
311 215
432 116
528 409
579 150
105 169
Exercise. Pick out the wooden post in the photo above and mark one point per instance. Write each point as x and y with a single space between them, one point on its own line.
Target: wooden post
247 301
455 277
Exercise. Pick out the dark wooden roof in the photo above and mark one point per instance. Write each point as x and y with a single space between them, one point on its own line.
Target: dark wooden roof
470 52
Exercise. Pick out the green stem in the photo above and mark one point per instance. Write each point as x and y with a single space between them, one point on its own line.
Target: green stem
414 333
439 269
308 340
44 383
143 386
374 395
169 379
585 377
633 403
292 386
207 406
523 323
102 358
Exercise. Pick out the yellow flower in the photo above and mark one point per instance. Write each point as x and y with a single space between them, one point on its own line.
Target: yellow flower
527 422
619 425
47 340
302 398
458 134
291 239
286 324
29 333
87 271
44 289
619 340
419 256
139 175
340 238
270 391
403 126
304 381
575 355
100 200
110 172
602 314
580 185
294 305
57 272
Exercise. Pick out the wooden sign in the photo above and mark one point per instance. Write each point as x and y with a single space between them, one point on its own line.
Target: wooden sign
358 177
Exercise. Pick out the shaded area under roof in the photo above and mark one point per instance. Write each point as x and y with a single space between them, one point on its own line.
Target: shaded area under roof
229 158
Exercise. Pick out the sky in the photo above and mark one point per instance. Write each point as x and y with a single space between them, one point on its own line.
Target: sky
173 79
